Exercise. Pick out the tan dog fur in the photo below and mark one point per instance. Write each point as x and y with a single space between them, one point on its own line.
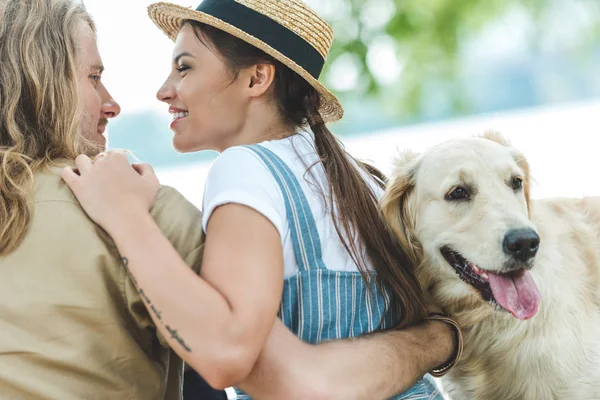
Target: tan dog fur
554 355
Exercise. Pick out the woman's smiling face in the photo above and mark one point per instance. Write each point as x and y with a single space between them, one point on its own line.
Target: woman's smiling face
208 103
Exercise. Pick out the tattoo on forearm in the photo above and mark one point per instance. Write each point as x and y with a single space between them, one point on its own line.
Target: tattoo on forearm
125 262
153 309
178 338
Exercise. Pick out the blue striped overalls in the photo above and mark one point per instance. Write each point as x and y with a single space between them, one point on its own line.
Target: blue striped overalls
318 303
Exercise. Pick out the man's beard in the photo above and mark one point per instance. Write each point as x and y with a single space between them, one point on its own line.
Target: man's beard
92 142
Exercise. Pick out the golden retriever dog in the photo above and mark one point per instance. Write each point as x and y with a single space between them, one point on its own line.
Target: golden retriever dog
521 276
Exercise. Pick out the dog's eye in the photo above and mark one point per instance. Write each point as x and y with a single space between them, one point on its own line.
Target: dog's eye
458 193
517 183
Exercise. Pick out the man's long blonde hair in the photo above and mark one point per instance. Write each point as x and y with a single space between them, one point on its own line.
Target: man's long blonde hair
40 112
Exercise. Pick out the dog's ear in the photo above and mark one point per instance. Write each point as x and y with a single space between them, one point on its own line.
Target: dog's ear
396 205
495 136
520 159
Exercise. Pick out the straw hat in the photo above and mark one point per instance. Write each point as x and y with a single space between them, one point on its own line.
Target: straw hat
288 30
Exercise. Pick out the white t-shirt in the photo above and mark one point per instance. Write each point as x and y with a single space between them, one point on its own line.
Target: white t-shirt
239 176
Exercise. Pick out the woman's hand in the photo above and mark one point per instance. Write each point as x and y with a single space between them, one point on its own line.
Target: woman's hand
110 189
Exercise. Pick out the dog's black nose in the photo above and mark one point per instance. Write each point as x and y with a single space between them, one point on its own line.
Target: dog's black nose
521 244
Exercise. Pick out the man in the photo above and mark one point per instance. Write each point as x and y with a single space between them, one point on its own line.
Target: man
72 323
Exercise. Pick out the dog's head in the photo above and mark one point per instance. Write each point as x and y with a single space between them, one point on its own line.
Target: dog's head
461 210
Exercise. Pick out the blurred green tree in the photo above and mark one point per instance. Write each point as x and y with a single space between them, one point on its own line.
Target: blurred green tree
391 51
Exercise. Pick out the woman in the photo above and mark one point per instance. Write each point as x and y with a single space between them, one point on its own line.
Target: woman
292 224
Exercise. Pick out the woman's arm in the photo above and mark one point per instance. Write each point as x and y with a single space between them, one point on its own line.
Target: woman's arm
219 322
377 366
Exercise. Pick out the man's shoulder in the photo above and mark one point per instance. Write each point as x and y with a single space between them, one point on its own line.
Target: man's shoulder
49 187
56 206
181 222
170 206
58 215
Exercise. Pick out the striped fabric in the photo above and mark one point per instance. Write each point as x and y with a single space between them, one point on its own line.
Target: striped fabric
318 303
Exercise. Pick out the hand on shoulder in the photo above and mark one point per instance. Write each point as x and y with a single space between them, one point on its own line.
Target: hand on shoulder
110 189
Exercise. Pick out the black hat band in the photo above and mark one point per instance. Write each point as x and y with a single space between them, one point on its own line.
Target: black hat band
268 31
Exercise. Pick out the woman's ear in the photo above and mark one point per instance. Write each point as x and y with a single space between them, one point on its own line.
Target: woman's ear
261 77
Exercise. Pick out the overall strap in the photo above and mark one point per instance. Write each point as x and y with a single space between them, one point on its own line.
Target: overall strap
305 237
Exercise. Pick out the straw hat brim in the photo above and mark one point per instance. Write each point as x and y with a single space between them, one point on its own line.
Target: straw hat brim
169 17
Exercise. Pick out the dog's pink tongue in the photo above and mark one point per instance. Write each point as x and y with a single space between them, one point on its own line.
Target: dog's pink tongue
517 293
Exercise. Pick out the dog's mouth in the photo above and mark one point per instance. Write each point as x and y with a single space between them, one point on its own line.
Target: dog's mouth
515 291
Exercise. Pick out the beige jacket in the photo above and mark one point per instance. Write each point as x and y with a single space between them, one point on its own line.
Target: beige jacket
72 325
